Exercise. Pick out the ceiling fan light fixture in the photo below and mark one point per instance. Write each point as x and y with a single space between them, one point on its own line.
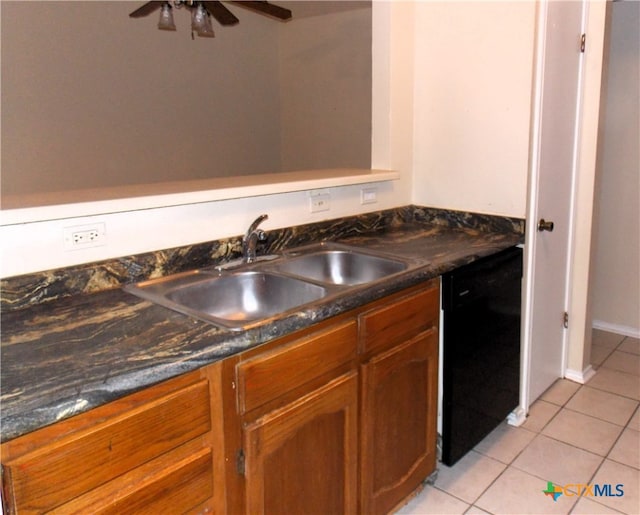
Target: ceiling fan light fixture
201 21
207 28
166 18
198 17
202 11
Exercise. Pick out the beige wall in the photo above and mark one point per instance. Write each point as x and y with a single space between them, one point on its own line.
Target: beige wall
473 66
320 129
616 281
93 98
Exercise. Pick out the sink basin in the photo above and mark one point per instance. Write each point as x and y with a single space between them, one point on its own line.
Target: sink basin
233 301
340 266
244 295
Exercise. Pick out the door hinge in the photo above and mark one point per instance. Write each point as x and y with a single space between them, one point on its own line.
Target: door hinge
240 462
565 320
583 42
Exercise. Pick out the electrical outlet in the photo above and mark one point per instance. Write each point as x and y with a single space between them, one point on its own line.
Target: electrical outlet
85 236
319 202
368 195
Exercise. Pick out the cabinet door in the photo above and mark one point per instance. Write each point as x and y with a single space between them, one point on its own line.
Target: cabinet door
302 458
399 411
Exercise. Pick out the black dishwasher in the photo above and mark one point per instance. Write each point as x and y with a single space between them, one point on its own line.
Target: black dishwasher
481 349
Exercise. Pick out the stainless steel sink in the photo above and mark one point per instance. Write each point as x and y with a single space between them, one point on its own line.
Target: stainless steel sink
235 300
244 295
340 266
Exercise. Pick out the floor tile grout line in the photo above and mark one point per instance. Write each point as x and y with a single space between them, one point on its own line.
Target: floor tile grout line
595 473
599 504
597 331
621 371
636 411
609 391
579 496
569 398
544 480
489 486
573 410
452 495
508 466
626 465
624 352
548 421
614 444
602 458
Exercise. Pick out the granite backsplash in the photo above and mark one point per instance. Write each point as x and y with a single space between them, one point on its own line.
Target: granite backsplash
31 289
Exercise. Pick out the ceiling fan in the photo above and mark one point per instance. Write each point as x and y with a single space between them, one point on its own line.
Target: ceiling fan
202 10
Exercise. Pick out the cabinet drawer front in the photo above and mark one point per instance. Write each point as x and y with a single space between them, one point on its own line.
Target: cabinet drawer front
262 378
56 473
161 486
386 326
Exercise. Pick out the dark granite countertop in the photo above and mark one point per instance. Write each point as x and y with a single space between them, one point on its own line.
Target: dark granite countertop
64 357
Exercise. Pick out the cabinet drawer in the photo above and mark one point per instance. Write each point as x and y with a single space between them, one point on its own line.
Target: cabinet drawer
385 326
57 472
173 483
270 375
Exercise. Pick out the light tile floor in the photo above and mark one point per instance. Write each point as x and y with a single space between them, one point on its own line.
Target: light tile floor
575 434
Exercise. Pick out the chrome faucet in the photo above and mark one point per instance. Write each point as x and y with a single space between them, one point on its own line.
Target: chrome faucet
251 238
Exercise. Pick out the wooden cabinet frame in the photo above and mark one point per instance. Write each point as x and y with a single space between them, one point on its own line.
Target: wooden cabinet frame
391 346
323 408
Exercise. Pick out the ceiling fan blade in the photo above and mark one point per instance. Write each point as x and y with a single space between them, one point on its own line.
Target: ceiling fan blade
146 9
223 15
265 8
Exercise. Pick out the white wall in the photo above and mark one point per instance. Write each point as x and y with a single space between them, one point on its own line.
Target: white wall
473 66
39 245
616 281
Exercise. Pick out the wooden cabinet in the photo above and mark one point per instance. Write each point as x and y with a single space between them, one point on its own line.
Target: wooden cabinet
153 451
399 392
337 418
302 458
342 418
399 396
298 408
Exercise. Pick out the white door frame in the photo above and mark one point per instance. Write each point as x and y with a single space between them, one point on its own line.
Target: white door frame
578 356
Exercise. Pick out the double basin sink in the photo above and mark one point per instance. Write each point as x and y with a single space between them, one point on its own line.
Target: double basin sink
249 294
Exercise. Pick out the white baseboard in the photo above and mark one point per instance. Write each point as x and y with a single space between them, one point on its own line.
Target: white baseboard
624 330
579 376
517 417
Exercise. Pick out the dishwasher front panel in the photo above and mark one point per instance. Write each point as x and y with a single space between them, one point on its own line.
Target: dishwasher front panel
481 349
